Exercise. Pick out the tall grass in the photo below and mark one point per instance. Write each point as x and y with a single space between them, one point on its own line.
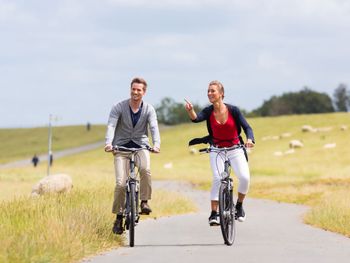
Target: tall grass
332 213
56 228
65 228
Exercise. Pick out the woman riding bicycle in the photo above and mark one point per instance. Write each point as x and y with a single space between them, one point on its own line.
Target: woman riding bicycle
224 124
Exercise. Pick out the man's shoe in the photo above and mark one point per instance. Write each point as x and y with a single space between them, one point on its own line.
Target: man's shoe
240 214
145 208
213 219
118 225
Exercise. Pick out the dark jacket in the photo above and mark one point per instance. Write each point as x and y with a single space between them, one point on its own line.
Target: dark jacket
240 121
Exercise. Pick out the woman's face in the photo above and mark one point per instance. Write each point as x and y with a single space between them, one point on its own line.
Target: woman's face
214 94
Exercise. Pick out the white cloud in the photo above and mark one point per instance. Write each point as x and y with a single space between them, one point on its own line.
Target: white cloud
256 47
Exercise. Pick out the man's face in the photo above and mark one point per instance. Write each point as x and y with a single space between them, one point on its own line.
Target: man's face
137 92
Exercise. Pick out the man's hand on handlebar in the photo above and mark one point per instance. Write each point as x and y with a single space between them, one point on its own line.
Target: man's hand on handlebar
156 150
108 148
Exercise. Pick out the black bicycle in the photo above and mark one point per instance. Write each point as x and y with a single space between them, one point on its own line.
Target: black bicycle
227 210
131 212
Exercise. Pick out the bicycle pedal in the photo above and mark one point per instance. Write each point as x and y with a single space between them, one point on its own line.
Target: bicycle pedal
144 213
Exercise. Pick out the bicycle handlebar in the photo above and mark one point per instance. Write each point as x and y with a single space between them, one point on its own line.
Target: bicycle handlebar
131 150
216 149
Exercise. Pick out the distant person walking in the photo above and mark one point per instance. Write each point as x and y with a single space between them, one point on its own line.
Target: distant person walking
128 125
225 123
35 160
88 126
51 159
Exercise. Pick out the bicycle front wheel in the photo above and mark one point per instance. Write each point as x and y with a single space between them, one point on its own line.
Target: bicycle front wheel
226 213
132 215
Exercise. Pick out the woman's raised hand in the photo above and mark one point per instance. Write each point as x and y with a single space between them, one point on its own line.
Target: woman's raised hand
188 105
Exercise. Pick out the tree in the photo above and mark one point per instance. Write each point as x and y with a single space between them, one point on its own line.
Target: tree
170 112
302 102
341 98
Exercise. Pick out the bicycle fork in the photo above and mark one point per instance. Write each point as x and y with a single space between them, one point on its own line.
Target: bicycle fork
226 179
132 180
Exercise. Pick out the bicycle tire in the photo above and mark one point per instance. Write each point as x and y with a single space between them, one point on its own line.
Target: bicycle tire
132 216
226 213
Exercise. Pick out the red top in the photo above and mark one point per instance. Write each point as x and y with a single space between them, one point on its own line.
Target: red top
224 135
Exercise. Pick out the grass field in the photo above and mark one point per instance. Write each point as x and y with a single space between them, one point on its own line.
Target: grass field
312 175
24 143
66 228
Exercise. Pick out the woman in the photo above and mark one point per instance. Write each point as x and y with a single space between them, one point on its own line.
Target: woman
224 123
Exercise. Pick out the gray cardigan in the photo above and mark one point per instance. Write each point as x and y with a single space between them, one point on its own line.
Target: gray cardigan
120 129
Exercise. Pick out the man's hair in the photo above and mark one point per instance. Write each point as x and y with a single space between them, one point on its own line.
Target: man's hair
219 85
139 81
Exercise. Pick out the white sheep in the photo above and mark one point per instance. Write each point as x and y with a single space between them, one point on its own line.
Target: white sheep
168 165
324 129
329 145
343 127
290 151
58 183
193 151
286 134
308 128
295 144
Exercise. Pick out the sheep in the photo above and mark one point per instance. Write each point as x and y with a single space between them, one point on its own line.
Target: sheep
295 144
308 128
285 135
58 183
290 151
278 153
193 151
343 128
329 145
271 137
324 129
168 165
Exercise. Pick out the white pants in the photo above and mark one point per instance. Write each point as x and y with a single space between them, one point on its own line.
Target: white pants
240 168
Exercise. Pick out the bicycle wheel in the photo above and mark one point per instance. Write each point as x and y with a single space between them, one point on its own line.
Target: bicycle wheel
226 213
132 216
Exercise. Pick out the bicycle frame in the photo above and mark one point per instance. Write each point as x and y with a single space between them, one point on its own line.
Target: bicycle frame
132 180
226 204
131 212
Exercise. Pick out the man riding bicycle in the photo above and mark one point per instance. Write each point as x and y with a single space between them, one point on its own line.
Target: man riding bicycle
224 123
128 125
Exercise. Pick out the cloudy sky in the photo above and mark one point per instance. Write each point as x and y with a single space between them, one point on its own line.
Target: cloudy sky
75 58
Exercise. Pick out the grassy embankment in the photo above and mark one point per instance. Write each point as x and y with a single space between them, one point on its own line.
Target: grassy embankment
312 175
19 144
66 228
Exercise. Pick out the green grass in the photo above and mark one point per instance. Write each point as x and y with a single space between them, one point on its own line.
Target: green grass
305 177
312 175
67 228
24 143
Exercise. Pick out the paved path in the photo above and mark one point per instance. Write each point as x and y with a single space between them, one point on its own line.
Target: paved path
272 233
56 155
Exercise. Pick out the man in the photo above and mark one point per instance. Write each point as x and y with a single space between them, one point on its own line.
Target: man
128 125
35 160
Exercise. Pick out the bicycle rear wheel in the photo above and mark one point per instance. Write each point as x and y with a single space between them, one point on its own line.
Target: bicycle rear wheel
226 213
132 215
